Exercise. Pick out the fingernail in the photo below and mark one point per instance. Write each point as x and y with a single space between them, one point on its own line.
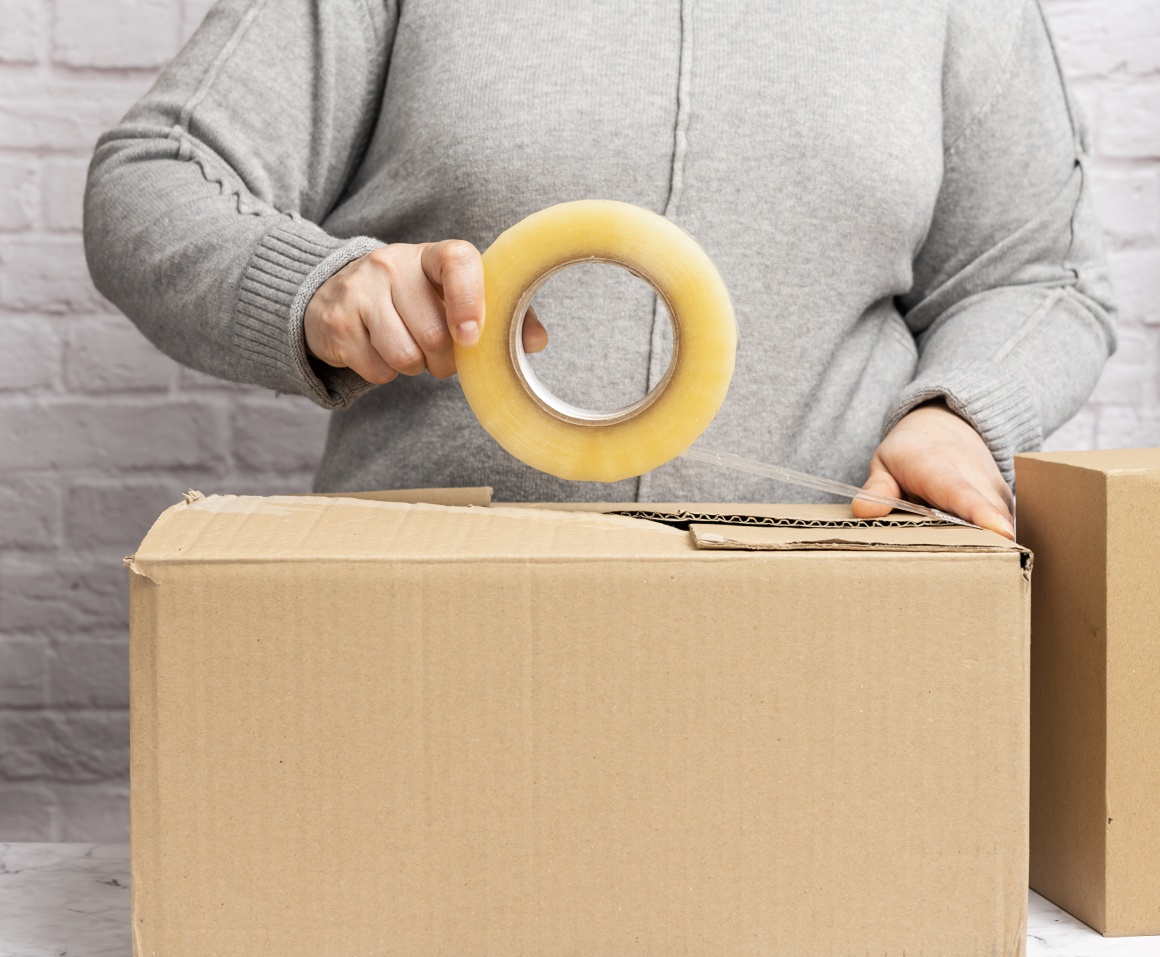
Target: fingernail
467 333
1002 526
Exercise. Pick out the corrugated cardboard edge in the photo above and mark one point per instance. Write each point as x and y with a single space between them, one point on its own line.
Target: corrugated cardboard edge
902 537
143 754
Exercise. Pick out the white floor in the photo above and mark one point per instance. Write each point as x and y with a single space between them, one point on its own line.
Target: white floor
74 899
1055 932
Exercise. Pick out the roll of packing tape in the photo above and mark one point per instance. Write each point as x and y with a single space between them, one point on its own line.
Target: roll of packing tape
553 436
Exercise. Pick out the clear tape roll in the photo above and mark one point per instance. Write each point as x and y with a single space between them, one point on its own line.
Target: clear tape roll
553 436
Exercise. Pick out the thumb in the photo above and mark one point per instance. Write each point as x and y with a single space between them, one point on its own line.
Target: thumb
881 482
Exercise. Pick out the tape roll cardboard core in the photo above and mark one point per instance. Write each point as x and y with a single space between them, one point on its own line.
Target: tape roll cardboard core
551 402
551 435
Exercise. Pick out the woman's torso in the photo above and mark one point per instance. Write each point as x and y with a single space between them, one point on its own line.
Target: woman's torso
810 167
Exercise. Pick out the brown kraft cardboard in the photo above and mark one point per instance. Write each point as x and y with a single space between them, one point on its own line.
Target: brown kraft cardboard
1093 521
366 727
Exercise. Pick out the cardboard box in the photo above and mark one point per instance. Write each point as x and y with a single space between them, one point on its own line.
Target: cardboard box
1093 522
366 728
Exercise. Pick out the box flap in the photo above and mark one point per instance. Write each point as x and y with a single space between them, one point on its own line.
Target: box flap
230 528
1108 461
296 528
832 527
464 497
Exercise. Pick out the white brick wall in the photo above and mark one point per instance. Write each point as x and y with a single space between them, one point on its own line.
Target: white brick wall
99 432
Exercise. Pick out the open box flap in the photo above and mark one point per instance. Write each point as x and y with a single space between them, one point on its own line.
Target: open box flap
367 528
780 527
894 534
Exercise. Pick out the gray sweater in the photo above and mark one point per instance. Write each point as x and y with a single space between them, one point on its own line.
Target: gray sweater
894 191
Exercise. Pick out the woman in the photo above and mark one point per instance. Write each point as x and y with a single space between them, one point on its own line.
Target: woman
895 193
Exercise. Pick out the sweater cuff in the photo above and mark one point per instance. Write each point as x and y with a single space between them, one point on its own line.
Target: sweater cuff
1000 408
285 270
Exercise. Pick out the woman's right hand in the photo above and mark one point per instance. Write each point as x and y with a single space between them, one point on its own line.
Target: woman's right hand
396 309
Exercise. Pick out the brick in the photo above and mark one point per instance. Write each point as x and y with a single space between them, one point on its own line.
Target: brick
30 355
193 13
293 484
277 435
193 381
111 355
65 116
62 596
1130 129
116 33
1155 399
76 747
1122 427
1077 433
1097 39
23 673
89 674
64 193
1128 204
18 191
47 274
27 813
22 35
1131 372
115 436
29 513
115 515
93 813
1136 278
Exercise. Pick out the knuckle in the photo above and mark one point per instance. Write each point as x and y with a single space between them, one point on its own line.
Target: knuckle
434 338
385 261
383 254
408 361
456 252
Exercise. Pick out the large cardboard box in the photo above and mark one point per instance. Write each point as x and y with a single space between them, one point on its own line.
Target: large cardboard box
1093 522
366 728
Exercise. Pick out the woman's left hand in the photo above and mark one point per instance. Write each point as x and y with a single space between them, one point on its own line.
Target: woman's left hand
934 455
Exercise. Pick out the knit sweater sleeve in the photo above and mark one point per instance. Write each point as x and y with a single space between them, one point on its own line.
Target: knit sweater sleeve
201 205
1010 303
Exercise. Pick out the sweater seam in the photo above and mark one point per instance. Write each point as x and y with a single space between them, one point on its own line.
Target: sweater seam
1013 341
371 93
223 57
944 280
676 167
1078 149
992 98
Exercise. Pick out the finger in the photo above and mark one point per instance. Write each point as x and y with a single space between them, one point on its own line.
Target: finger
535 336
358 352
951 490
421 310
391 338
455 268
881 482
